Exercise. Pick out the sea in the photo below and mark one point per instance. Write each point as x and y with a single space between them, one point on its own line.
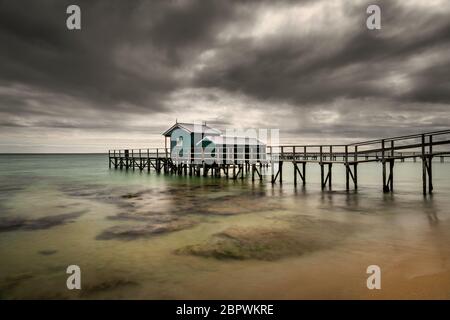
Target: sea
144 235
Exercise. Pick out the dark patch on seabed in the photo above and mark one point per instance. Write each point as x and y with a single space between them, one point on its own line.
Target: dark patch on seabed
11 282
47 252
9 186
154 217
18 223
145 230
169 209
106 285
304 235
185 199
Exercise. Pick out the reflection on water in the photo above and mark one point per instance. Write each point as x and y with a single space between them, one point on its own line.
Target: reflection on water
139 235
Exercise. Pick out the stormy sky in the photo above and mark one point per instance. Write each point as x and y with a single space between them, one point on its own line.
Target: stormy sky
310 68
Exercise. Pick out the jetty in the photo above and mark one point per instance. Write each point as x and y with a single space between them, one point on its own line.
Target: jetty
238 157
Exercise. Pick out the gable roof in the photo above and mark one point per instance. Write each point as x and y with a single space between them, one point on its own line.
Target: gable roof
191 127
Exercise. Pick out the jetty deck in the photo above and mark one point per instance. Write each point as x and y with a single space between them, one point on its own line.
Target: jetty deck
424 147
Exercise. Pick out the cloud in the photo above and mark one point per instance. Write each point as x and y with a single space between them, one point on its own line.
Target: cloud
337 57
309 67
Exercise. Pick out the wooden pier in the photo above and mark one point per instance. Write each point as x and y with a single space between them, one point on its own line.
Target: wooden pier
424 147
161 161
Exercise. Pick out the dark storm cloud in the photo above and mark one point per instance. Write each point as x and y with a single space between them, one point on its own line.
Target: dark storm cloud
283 69
432 84
38 50
133 58
42 53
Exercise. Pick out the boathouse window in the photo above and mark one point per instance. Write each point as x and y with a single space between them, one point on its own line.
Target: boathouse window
179 141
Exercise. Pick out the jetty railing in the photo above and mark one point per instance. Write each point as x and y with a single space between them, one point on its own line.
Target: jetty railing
240 159
196 155
424 146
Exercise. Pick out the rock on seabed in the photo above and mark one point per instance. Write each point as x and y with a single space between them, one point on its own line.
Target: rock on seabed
266 243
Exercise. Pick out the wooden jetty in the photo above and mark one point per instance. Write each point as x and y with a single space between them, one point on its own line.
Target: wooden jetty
236 162
161 160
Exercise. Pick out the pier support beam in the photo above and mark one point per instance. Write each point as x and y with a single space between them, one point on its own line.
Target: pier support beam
258 172
347 170
388 185
279 174
205 170
322 176
302 173
430 166
355 167
391 175
424 167
326 179
383 163
427 166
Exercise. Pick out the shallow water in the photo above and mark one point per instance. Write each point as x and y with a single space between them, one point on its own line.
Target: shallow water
150 236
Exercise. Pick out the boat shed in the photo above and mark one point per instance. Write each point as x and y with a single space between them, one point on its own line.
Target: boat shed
193 142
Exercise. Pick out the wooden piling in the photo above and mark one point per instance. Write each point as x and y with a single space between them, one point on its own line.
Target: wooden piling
424 167
355 168
280 166
430 165
295 166
295 173
304 173
347 170
391 168
330 166
272 166
383 160
322 178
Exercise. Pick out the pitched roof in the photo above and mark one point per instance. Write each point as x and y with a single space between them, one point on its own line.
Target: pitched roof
192 127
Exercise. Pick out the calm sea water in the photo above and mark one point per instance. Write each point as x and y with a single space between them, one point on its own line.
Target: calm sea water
150 236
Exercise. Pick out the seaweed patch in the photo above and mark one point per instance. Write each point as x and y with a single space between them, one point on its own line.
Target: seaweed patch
146 230
12 224
241 243
47 252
